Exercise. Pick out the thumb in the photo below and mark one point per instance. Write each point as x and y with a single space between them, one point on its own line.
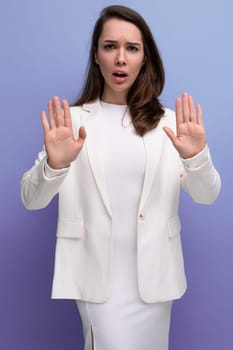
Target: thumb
170 134
82 134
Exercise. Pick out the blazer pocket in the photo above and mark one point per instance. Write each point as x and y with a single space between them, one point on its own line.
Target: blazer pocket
70 229
174 226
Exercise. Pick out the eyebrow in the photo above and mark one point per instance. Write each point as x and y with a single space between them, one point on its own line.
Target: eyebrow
128 42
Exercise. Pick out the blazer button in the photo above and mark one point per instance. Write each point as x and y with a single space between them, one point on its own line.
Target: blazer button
141 216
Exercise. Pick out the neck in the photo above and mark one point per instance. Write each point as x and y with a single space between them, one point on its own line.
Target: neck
114 98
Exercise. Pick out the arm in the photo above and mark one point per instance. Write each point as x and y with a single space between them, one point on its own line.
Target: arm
39 186
199 177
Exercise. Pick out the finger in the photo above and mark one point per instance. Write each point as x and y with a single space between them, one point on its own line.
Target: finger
185 107
170 134
179 114
82 134
58 111
44 122
52 118
192 109
200 115
67 116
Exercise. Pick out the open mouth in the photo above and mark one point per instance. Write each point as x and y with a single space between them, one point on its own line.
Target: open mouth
120 74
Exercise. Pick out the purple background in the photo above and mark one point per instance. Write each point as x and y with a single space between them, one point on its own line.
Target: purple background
44 48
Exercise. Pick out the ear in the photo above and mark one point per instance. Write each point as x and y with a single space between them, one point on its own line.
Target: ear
144 61
96 58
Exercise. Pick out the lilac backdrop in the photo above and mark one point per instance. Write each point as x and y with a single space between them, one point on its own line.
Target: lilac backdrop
44 47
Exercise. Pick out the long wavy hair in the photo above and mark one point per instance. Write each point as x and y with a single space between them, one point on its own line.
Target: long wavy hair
142 98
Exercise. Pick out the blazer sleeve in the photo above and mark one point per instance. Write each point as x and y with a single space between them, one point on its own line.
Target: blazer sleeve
200 178
37 188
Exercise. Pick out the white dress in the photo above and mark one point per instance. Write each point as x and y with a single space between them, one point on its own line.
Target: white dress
124 321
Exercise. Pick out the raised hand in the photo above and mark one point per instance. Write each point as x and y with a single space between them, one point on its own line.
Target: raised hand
190 138
61 146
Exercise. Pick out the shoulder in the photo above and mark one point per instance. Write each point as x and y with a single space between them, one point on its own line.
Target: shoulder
86 108
75 110
80 114
76 113
168 119
169 115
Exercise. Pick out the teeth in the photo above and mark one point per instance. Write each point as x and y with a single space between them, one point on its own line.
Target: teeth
120 74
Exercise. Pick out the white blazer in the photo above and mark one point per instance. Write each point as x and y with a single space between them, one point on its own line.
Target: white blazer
84 236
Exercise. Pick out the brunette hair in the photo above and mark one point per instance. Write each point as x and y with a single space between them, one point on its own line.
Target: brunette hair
142 98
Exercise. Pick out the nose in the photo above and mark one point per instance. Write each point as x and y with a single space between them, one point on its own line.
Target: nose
120 57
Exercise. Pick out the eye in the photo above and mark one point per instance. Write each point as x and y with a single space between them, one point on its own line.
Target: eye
133 48
109 46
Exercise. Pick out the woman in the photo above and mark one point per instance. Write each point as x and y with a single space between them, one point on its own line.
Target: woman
117 160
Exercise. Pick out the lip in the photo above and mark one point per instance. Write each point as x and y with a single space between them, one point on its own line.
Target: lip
119 79
120 71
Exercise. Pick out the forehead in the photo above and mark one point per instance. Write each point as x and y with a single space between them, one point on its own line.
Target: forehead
116 29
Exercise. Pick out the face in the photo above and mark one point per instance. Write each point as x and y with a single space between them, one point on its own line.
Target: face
120 56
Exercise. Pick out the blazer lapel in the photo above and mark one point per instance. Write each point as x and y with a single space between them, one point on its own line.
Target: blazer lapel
90 119
153 142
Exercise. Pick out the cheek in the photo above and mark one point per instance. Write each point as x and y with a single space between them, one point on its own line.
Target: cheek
102 69
138 67
138 62
105 69
101 61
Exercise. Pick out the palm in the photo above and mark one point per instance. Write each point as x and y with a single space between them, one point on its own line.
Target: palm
61 146
190 136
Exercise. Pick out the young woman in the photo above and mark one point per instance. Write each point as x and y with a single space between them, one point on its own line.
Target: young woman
117 160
